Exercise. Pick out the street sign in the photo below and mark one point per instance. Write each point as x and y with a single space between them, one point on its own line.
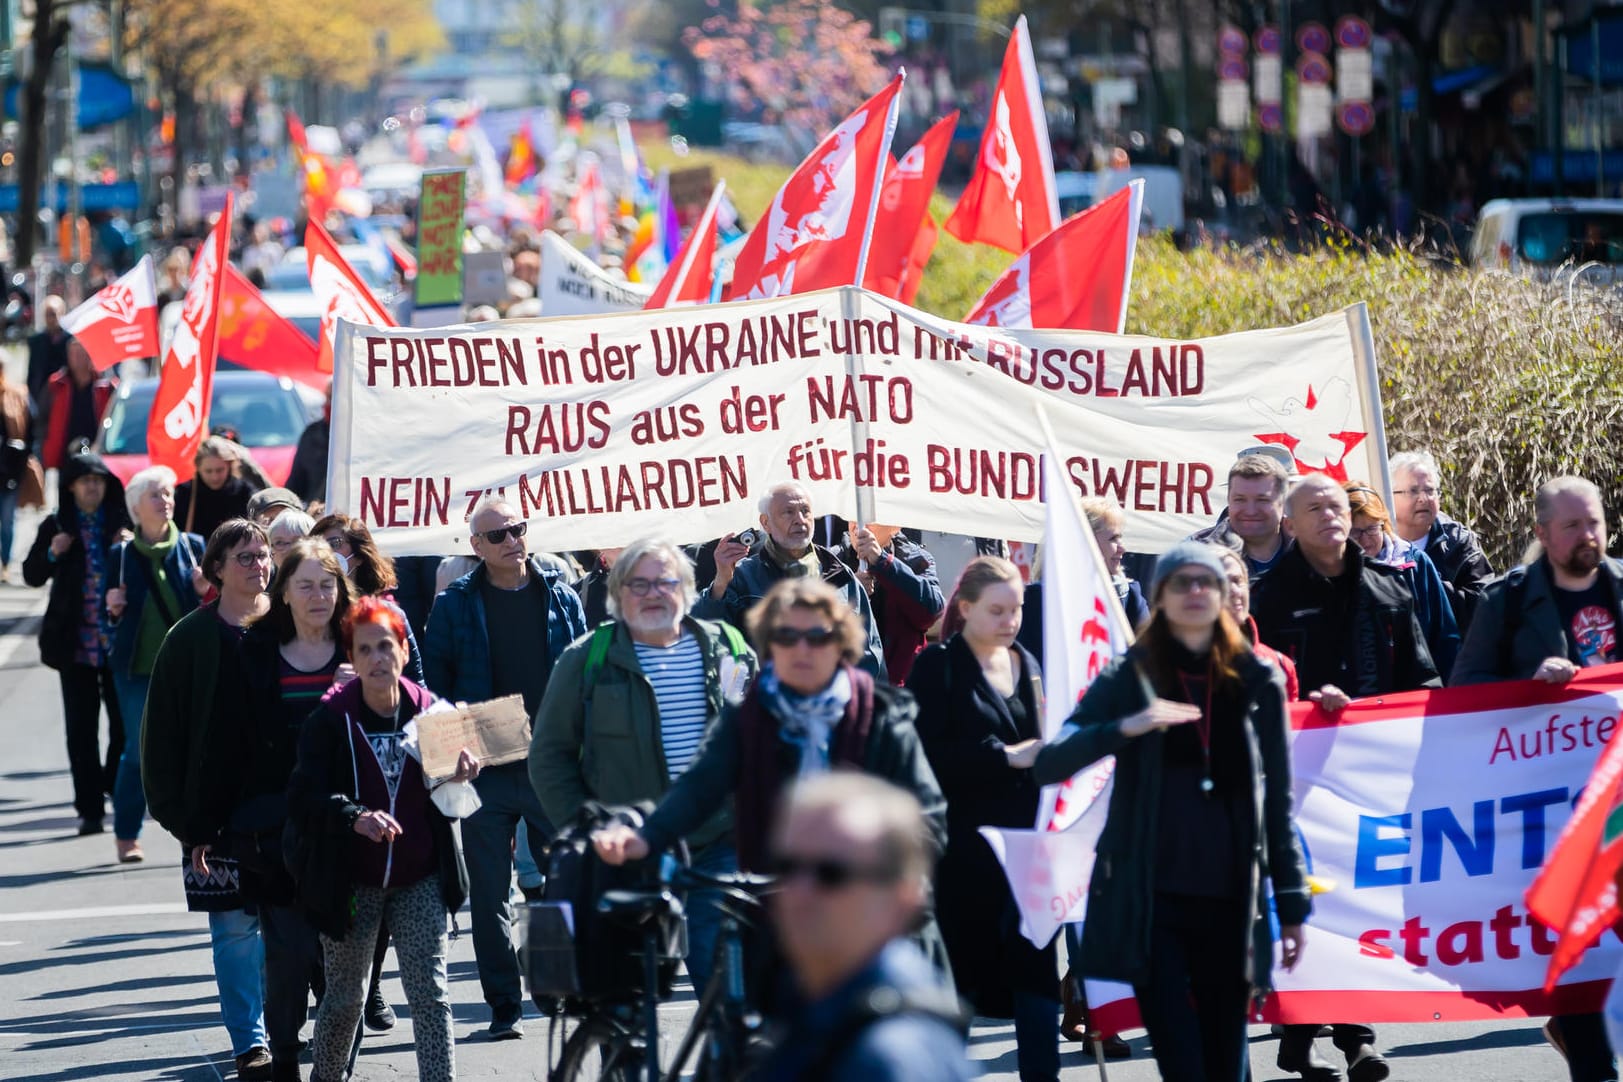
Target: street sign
1233 105
1231 70
1353 33
1313 38
1355 75
1315 108
1231 42
1271 118
1267 77
1268 40
1313 68
1355 117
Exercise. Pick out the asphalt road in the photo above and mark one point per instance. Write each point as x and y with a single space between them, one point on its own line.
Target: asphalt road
104 975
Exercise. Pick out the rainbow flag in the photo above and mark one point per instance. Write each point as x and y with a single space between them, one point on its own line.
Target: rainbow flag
658 238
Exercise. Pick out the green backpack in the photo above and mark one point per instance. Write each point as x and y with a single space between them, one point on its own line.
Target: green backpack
603 637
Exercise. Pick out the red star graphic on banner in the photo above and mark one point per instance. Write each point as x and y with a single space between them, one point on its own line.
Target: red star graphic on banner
1336 470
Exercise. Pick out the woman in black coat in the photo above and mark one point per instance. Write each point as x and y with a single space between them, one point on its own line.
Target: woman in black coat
71 553
980 720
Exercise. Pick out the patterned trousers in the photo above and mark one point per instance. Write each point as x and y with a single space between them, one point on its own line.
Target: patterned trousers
416 916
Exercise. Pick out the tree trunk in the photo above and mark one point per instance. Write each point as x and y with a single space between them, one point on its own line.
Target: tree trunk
48 35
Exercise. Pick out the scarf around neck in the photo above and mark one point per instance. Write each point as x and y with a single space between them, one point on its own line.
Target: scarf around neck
807 721
803 566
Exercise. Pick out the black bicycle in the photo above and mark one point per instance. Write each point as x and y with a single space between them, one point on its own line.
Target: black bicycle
618 1040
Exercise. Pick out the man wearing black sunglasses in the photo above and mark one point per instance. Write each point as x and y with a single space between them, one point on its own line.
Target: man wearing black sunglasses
497 631
853 864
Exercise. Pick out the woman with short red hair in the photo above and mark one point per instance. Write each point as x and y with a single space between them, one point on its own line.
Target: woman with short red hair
371 845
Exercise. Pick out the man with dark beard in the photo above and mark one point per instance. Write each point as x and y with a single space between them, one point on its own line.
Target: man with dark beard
1545 621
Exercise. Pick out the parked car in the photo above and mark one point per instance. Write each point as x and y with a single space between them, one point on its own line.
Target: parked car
268 413
1536 237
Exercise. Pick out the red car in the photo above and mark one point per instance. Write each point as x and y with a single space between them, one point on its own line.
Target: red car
267 412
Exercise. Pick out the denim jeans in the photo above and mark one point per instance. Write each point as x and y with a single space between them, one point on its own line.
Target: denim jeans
507 799
704 919
239 971
8 525
529 873
129 799
1036 1035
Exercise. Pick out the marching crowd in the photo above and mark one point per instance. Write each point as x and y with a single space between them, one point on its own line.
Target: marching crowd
782 704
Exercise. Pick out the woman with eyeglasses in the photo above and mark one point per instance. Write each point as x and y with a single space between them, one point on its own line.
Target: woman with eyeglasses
287 660
811 710
285 530
192 700
980 718
368 844
1200 813
153 582
1372 529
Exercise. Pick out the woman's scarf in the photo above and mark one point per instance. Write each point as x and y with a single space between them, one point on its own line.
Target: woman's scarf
806 721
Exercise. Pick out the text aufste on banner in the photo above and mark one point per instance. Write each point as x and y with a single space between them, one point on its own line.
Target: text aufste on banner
675 422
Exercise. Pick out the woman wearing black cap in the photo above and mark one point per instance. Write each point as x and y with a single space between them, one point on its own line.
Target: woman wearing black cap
1202 794
70 552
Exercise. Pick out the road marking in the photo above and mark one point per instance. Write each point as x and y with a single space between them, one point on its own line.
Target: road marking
94 913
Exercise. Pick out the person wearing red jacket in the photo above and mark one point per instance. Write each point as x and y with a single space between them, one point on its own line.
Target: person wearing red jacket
900 577
74 402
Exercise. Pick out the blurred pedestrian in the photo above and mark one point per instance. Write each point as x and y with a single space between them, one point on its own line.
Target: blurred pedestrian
75 399
1200 814
71 552
155 579
852 855
188 790
370 845
980 719
47 348
16 445
218 489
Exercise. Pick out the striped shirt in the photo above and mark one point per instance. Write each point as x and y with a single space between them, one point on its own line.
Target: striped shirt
677 673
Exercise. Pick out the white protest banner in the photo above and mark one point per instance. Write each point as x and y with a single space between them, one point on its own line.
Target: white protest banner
1430 813
572 285
674 422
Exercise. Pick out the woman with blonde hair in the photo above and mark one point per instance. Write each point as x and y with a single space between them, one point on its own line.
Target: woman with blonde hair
219 489
1372 529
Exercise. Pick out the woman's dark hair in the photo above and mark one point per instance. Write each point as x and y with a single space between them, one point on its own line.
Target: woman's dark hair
370 570
279 617
228 535
1156 651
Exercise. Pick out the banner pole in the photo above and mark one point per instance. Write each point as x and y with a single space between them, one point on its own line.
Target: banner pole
1363 336
855 363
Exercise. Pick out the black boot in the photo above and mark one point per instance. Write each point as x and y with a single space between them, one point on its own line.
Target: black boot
379 1015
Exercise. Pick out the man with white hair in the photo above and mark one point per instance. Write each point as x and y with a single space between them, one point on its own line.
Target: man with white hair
629 703
1419 520
497 631
743 578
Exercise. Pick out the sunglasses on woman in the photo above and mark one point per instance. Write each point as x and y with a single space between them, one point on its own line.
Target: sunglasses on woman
811 636
515 531
829 873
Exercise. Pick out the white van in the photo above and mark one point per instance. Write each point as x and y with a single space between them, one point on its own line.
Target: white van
1535 237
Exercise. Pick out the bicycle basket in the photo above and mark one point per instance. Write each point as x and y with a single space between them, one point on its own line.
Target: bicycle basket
572 952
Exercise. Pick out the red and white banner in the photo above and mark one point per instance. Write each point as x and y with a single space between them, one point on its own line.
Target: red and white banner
1083 628
341 292
254 335
815 234
1430 814
179 418
119 323
1011 200
691 274
904 234
1079 276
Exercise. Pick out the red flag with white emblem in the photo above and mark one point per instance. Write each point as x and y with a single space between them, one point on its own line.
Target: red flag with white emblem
1011 200
341 292
119 323
815 234
179 418
689 277
906 235
1076 278
255 335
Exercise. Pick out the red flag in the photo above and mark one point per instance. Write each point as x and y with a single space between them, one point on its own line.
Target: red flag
179 418
120 323
1575 894
1011 201
815 233
521 162
255 335
341 292
906 235
689 277
1076 278
319 188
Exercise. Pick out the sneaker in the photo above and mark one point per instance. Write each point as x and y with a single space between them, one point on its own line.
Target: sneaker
506 1025
254 1064
379 1015
129 852
1368 1066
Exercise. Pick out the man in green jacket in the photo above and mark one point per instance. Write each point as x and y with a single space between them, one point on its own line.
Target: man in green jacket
628 703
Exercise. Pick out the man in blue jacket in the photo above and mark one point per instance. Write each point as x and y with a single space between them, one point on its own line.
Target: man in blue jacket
497 631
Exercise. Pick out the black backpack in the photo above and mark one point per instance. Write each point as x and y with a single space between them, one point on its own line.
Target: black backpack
574 954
